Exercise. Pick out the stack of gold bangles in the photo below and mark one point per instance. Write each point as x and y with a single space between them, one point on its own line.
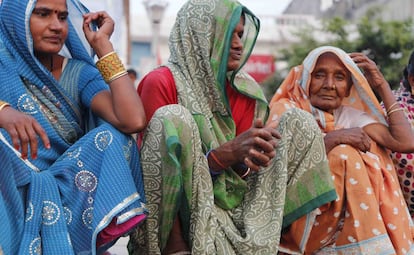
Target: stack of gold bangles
392 109
3 104
111 67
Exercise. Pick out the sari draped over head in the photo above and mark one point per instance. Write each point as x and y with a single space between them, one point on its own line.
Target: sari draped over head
226 215
63 201
370 215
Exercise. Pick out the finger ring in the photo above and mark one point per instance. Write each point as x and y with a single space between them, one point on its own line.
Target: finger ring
246 173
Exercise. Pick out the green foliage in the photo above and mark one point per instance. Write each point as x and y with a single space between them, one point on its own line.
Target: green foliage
388 43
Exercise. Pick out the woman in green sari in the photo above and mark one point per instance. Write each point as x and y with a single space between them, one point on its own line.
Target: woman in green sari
217 180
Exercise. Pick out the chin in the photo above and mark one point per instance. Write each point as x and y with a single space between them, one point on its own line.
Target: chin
232 67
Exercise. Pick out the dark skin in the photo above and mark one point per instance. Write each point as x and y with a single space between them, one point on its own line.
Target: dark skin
49 29
396 137
255 147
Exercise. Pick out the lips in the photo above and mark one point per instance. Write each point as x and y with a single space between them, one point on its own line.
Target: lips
53 39
327 97
236 55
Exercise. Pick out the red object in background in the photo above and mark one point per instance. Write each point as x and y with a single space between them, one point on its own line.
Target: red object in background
260 66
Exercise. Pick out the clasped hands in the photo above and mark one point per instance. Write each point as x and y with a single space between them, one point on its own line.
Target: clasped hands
255 147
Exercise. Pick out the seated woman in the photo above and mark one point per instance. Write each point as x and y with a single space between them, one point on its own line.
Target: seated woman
370 215
404 162
218 181
65 188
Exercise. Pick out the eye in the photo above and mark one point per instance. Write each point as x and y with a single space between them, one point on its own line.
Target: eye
319 75
339 77
63 16
41 12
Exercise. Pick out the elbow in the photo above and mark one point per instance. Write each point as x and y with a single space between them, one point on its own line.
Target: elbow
406 147
133 125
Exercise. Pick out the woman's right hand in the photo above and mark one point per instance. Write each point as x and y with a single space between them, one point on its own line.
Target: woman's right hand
99 40
24 131
355 137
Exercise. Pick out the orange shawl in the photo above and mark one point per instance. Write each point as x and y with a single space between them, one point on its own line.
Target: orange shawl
370 215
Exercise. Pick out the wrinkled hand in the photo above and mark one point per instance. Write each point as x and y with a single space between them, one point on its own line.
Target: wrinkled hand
105 25
370 70
24 131
355 137
256 146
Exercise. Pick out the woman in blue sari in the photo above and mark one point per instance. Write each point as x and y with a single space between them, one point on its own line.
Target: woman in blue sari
65 188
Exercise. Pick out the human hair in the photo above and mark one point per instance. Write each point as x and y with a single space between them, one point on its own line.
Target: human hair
408 70
132 71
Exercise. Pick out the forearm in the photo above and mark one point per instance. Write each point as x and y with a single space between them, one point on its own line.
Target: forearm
127 105
399 127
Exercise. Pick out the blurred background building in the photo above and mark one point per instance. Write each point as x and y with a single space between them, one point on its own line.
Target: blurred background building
142 40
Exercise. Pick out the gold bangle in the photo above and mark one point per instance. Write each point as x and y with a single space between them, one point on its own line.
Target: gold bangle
116 76
395 110
111 67
3 104
390 108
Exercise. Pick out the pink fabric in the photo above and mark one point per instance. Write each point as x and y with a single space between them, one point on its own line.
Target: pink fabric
114 231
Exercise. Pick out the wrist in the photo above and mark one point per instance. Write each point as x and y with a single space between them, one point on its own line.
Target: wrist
3 104
111 67
215 167
102 49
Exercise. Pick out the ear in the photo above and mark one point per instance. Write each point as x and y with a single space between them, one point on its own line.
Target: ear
411 79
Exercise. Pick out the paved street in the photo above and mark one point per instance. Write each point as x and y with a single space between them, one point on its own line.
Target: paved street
120 247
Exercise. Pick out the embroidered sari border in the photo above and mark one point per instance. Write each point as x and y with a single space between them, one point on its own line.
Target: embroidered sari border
308 207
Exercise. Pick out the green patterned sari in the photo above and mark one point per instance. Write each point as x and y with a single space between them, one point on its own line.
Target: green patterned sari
227 215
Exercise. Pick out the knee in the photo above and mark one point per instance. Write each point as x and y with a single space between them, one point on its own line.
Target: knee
298 121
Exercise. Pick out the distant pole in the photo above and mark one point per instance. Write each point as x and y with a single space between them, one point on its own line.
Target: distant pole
155 10
128 31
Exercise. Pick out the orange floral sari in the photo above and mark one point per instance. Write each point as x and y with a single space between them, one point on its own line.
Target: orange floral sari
370 215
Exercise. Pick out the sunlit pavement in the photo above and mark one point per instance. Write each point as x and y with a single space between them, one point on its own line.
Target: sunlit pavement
120 248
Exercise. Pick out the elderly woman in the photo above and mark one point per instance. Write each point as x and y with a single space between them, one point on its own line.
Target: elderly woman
370 215
65 188
218 180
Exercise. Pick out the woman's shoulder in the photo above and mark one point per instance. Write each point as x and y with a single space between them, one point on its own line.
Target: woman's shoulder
160 77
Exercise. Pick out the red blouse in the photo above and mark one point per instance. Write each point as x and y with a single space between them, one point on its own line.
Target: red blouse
157 89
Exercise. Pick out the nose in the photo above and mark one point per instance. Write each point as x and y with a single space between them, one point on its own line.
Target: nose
55 23
236 42
329 83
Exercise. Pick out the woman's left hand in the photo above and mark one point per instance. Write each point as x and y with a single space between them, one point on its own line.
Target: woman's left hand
99 40
370 69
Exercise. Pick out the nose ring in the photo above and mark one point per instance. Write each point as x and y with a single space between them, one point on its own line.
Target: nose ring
334 86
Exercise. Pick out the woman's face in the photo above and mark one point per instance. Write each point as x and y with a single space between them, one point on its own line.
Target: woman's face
330 83
49 26
236 46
